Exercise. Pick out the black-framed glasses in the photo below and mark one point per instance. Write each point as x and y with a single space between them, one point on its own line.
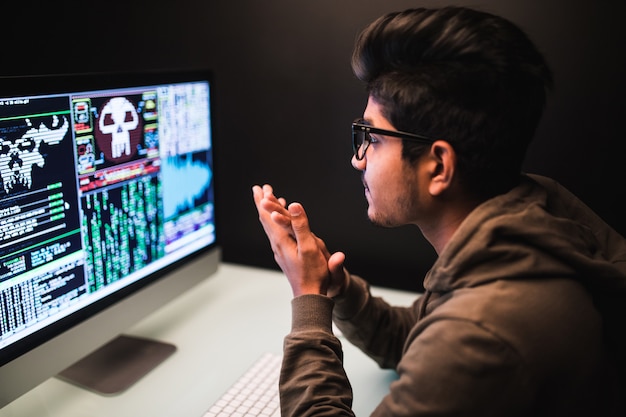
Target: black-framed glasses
361 137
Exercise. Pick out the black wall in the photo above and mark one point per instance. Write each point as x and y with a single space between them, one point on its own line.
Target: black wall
286 96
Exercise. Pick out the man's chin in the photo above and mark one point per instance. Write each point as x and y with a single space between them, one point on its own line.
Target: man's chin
373 218
379 221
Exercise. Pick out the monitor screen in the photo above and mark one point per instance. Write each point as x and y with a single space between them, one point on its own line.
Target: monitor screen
107 210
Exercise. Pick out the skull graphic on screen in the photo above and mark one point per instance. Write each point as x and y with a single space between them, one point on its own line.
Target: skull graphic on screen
118 118
18 156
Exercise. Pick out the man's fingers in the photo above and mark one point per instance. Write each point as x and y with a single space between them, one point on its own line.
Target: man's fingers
273 215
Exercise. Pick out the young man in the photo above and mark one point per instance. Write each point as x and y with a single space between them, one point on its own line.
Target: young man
523 312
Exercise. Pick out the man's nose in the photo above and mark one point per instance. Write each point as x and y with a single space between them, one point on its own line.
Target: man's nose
357 164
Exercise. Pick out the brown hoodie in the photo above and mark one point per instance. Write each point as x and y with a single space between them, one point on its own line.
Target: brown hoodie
522 314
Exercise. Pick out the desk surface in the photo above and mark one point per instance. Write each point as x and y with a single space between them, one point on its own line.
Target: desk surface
220 328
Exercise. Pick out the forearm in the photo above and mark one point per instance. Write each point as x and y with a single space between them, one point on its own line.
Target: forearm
313 381
371 324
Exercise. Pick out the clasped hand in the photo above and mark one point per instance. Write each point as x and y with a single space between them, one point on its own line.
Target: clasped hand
302 256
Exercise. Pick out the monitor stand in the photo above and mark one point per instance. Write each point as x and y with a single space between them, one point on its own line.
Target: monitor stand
117 365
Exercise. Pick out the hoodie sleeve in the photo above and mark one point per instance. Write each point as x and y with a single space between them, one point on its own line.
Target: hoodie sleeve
370 323
312 380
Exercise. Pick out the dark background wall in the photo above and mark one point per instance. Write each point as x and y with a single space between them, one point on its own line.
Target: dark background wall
285 97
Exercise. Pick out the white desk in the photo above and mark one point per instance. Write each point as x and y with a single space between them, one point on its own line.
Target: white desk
220 328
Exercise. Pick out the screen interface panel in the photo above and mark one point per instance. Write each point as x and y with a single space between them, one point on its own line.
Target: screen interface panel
98 189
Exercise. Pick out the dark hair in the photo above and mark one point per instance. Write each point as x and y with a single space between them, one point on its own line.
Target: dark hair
468 77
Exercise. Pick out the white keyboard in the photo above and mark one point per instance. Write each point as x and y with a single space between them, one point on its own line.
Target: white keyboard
254 394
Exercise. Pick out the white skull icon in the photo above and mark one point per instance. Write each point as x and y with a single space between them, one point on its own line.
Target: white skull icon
118 118
18 157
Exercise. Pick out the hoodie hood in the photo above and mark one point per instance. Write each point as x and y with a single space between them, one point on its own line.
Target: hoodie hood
538 229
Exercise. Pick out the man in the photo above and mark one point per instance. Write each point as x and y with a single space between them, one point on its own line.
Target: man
522 311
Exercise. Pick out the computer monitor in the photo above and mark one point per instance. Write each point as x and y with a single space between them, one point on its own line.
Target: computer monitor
107 212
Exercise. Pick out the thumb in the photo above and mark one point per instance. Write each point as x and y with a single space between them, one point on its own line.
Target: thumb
335 263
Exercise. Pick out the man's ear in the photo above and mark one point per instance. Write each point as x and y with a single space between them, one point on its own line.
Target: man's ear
444 158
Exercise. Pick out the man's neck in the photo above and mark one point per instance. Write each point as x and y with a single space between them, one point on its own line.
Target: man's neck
444 224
